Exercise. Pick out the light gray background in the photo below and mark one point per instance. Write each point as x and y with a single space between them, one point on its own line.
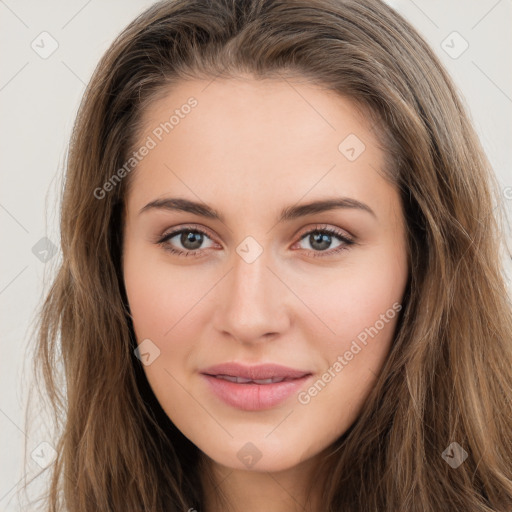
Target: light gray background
39 98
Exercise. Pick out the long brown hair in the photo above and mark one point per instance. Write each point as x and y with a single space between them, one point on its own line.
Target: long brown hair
448 376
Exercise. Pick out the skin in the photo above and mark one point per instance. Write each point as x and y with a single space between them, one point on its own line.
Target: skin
248 149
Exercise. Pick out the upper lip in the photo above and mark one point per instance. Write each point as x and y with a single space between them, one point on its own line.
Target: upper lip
260 371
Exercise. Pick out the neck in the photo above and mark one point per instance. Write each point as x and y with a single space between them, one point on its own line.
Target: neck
237 490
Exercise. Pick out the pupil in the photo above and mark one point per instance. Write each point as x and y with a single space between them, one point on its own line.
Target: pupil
189 237
319 237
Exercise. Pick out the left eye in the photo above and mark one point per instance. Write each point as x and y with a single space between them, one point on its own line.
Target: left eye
319 240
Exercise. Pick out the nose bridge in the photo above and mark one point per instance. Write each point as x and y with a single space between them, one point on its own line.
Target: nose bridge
253 299
250 277
250 272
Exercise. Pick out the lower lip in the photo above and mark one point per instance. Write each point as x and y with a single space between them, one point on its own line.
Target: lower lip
254 397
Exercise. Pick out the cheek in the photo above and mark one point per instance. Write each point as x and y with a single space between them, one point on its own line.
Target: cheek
168 306
159 296
161 304
355 297
361 307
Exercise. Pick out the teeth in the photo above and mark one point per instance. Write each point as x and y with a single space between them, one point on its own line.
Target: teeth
238 380
242 380
264 381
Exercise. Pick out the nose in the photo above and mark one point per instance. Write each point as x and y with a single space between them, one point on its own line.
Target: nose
253 301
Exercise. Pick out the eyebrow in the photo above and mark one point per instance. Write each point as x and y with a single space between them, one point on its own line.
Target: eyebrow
287 214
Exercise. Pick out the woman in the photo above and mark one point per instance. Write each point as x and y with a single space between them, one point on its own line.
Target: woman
281 285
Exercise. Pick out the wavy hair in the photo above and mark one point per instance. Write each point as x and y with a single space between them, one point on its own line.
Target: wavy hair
448 376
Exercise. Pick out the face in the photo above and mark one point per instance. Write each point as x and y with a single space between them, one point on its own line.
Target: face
227 261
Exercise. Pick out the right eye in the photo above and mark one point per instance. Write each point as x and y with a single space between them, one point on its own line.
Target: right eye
190 239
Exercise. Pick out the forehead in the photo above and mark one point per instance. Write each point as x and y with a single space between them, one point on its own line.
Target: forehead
256 139
248 108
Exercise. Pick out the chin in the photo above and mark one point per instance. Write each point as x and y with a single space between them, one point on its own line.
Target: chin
261 455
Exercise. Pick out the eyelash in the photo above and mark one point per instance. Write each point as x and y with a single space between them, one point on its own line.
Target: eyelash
347 242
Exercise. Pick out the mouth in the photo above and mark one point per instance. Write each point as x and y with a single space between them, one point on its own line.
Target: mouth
253 388
242 380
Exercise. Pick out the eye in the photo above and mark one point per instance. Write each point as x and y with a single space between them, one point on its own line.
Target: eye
192 238
320 240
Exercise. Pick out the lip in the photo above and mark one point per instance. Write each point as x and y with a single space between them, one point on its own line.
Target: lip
254 396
